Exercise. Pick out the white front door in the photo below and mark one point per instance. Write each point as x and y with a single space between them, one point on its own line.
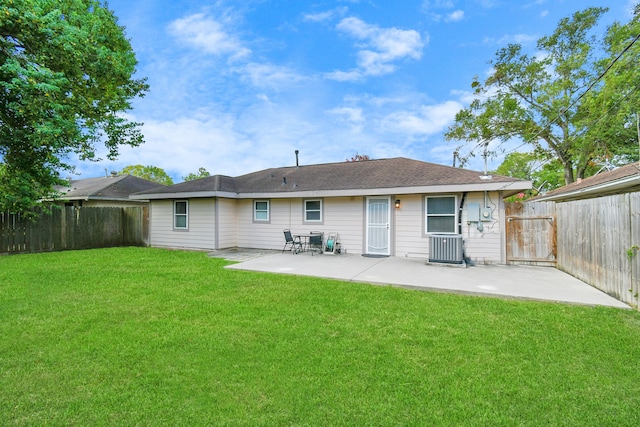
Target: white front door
378 227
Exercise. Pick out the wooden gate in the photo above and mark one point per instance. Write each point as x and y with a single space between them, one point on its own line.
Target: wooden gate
531 233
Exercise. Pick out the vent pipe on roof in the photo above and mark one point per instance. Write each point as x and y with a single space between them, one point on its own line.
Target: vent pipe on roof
297 165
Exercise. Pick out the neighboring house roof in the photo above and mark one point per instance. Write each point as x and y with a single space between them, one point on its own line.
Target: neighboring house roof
369 177
620 180
117 187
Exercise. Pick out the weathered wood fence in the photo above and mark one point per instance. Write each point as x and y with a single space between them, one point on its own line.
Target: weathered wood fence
596 240
66 228
531 233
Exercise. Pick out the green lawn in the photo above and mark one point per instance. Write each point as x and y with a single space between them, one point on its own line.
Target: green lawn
141 336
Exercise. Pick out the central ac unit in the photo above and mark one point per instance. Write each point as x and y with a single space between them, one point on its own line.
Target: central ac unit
445 248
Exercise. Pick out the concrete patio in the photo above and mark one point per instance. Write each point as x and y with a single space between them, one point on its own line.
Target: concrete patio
507 281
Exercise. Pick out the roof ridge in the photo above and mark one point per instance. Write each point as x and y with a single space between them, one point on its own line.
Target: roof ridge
116 179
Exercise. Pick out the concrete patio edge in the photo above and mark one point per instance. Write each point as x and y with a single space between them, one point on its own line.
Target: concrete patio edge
506 281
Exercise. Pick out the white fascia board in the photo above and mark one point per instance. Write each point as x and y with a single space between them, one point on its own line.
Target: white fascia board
514 187
185 195
620 184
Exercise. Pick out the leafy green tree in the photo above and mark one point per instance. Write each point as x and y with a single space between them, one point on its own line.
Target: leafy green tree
150 173
539 98
517 165
619 95
202 173
66 72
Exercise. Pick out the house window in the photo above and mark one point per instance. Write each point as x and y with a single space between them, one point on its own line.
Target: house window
181 215
441 214
313 210
261 210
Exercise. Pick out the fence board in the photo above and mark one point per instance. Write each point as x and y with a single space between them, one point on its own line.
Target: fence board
74 228
594 236
531 233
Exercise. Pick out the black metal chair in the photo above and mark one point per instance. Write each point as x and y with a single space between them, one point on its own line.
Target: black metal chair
315 241
294 243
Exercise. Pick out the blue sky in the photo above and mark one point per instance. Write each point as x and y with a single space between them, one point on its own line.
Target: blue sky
236 87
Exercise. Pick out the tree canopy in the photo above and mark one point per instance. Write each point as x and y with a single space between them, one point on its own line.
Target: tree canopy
66 77
150 173
202 173
571 102
359 158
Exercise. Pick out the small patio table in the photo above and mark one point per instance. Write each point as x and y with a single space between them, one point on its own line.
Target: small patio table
306 239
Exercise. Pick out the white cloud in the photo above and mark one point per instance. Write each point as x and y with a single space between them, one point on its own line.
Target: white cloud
212 137
270 76
455 16
353 115
325 16
428 120
379 48
437 4
209 35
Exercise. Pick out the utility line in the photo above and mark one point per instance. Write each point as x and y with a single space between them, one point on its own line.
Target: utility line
573 103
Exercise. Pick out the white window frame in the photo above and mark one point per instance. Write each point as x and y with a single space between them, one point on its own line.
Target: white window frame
454 214
255 211
306 211
176 215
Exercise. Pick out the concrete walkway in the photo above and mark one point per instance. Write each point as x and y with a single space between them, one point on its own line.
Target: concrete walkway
537 283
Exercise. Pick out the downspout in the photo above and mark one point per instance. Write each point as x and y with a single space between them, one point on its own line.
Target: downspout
466 259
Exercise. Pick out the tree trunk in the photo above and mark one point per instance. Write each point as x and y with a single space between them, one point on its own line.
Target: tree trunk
568 173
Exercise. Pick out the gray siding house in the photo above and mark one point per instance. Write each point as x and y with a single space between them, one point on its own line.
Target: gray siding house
386 207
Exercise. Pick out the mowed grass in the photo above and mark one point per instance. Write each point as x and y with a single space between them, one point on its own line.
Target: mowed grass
142 336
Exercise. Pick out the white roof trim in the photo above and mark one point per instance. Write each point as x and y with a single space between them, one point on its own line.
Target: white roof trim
619 184
512 186
185 195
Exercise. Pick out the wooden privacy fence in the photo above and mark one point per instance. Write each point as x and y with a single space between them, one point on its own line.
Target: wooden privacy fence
531 233
597 241
69 228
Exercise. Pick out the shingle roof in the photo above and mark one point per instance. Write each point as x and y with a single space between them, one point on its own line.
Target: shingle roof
370 174
110 187
600 184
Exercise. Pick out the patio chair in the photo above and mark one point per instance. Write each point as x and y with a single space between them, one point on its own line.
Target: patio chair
315 241
294 243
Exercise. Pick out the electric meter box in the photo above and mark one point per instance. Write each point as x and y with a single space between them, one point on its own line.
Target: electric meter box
485 214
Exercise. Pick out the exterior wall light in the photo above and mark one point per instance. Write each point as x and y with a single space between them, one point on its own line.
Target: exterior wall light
397 203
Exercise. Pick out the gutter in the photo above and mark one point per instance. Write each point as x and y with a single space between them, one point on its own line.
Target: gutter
612 186
513 186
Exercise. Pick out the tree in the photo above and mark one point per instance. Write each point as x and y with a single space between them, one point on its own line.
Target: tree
359 158
517 165
65 78
150 173
202 173
540 99
546 175
620 94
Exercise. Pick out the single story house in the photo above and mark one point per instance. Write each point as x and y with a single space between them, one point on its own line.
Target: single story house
387 207
108 191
